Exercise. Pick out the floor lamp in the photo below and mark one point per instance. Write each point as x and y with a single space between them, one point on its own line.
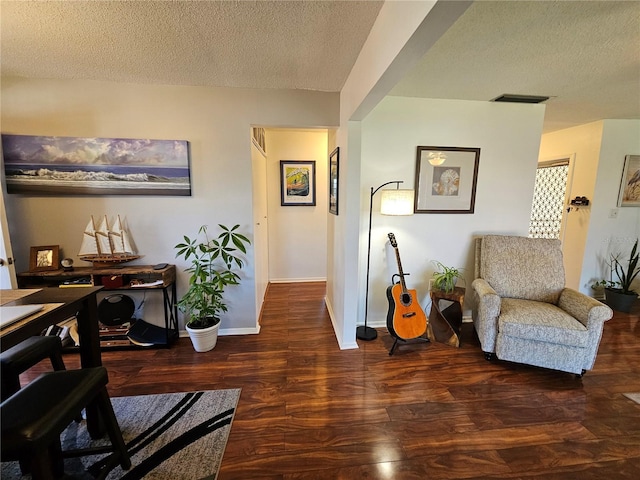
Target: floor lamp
392 202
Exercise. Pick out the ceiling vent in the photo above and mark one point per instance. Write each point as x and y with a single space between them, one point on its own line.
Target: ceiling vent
508 97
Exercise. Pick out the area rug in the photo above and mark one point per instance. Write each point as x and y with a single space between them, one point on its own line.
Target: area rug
633 396
169 437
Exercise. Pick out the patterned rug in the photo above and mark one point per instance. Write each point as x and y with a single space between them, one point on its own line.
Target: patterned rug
169 437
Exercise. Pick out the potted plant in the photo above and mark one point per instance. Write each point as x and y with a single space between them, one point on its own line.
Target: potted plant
211 271
445 278
618 294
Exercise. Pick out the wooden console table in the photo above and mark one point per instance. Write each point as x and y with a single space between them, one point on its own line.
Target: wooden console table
445 323
119 278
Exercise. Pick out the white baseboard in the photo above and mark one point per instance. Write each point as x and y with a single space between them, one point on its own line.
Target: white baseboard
383 323
240 331
341 343
298 280
230 331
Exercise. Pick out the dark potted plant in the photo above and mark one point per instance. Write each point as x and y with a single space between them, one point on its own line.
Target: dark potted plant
445 278
618 294
212 269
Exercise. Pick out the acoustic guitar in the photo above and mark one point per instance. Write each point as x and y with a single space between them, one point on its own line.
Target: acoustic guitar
405 319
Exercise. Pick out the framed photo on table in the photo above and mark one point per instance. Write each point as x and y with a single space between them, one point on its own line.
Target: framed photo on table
297 183
44 258
446 179
334 177
629 195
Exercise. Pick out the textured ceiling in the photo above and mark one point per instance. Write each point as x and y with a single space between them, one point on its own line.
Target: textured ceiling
308 45
585 55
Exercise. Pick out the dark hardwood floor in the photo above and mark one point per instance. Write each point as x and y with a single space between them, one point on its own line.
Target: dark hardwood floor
310 411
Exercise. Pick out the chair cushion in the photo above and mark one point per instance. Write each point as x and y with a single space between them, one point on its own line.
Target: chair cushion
542 322
521 267
37 414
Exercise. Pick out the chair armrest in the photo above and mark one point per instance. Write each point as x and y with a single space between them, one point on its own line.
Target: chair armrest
485 315
583 308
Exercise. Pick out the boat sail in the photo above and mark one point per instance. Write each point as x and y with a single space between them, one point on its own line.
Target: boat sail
105 245
119 239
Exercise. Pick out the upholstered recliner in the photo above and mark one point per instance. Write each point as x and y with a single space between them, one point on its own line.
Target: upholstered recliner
523 312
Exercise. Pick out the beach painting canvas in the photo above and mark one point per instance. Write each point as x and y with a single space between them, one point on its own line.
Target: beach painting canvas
95 166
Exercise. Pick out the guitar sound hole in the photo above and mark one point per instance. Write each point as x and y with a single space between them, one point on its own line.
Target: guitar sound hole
406 299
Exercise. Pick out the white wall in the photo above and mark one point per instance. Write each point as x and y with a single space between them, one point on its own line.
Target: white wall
401 35
215 121
297 234
583 144
599 148
509 138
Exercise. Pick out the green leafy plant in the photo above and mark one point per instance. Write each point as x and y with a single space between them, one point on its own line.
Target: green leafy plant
605 284
445 277
625 273
212 269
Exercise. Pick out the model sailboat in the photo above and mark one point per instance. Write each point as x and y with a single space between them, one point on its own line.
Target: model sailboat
106 245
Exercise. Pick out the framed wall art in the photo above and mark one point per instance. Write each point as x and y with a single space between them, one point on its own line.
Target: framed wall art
334 176
297 183
95 166
446 179
44 258
629 195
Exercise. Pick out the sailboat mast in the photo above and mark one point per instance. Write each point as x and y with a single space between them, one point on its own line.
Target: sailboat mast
109 241
121 231
95 236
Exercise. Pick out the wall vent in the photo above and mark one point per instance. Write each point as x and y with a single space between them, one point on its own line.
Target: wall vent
508 97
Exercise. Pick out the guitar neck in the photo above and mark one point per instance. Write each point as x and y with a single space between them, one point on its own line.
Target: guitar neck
400 272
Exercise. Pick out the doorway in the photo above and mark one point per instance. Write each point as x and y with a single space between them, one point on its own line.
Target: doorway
260 215
290 242
7 267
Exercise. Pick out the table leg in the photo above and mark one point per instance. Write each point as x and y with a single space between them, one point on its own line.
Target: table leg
90 356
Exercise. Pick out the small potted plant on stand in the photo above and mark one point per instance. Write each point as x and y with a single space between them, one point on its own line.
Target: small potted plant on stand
211 270
618 294
445 278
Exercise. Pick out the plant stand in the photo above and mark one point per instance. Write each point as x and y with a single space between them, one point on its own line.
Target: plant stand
445 323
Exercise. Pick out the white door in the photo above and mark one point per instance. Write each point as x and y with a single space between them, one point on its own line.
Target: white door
7 267
260 224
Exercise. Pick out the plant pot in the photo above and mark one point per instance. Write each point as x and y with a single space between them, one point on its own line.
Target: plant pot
203 339
622 302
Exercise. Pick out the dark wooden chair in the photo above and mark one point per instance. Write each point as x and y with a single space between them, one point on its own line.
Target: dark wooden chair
23 356
33 419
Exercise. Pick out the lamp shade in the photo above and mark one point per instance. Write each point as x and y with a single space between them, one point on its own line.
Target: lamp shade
396 202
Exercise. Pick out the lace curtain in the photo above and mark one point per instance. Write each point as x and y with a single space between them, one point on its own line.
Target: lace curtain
548 201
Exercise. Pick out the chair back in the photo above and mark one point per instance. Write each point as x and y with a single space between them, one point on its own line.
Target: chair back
521 267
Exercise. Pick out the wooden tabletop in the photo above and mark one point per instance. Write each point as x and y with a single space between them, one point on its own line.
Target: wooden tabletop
7 296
